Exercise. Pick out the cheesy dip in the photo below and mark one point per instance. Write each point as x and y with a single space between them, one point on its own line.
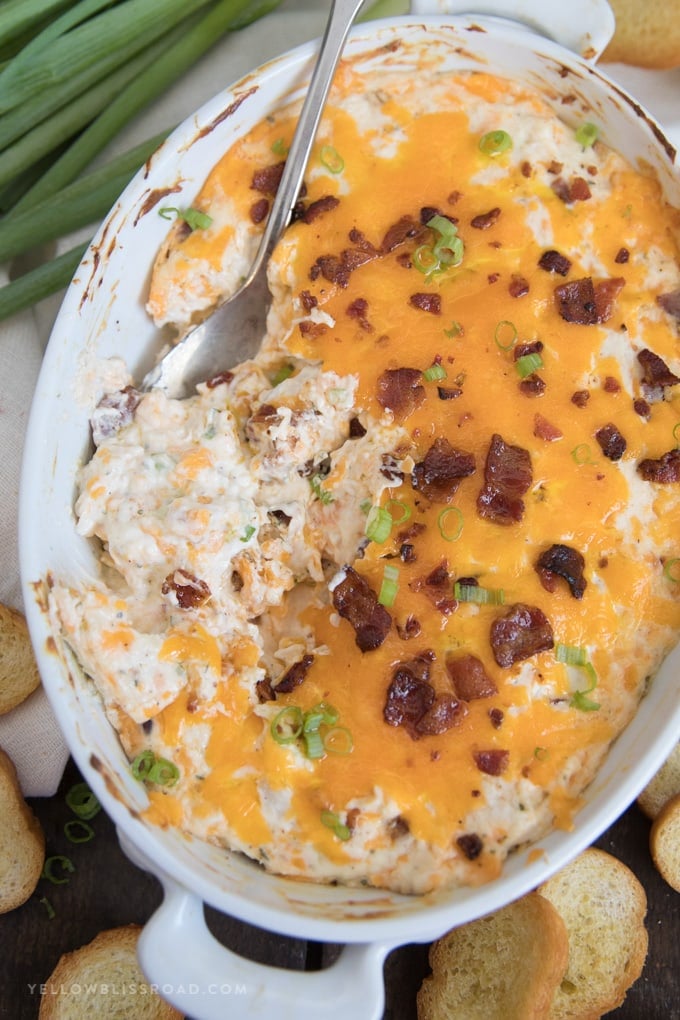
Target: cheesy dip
374 604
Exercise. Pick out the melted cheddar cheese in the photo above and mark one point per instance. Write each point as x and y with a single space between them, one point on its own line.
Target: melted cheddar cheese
232 521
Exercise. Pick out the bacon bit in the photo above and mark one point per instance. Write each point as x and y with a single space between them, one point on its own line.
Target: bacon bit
390 469
400 391
217 380
294 676
611 442
580 398
529 347
404 260
267 179
356 429
585 303
554 167
507 476
357 310
439 473
449 392
576 190
526 168
259 210
565 562
554 262
622 256
454 197
665 470
308 301
412 703
407 553
543 429
412 531
642 408
410 629
670 302
493 762
312 330
338 268
280 516
522 632
471 845
469 678
655 371
518 286
113 412
264 690
398 827
405 229
431 303
485 220
319 207
493 277
355 601
438 588
189 590
532 386
611 385
496 717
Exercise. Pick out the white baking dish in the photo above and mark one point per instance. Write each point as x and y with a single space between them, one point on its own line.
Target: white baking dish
102 315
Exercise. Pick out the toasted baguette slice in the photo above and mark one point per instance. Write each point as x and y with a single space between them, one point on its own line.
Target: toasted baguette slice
664 842
19 675
502 967
664 785
103 979
22 843
603 906
647 33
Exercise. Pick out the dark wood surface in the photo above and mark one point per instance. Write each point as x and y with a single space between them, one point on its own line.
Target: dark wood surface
106 890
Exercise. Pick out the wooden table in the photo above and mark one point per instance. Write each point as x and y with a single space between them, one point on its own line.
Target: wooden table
107 890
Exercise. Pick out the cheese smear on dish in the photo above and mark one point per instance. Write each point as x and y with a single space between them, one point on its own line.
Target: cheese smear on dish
384 595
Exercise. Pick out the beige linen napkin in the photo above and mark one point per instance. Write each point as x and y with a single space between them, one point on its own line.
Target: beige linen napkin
30 734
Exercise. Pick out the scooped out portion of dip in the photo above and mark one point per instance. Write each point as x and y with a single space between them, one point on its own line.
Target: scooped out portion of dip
374 604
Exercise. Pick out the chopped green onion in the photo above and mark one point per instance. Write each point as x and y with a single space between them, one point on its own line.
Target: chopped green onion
286 727
163 772
77 831
196 219
331 159
389 586
248 533
482 596
528 364
141 765
449 249
283 373
279 147
332 821
580 699
147 768
378 524
51 912
587 134
493 143
450 523
323 495
571 655
321 713
434 372
671 570
581 454
64 862
455 329
425 260
541 753
365 506
405 511
82 801
505 334
314 745
338 740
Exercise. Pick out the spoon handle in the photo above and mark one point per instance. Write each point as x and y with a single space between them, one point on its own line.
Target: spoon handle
342 15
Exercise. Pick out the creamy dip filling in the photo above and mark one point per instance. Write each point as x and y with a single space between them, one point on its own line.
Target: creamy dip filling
441 502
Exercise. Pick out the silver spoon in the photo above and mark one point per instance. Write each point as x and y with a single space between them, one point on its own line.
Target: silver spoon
234 330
